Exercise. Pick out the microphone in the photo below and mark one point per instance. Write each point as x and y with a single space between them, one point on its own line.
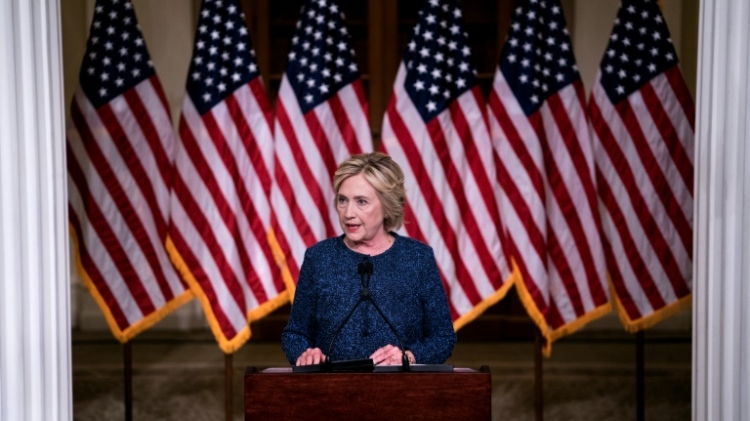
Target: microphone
365 269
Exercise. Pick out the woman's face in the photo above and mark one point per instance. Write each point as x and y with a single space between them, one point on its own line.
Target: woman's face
360 211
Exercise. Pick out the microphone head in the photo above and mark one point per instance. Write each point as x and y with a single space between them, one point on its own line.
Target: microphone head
364 267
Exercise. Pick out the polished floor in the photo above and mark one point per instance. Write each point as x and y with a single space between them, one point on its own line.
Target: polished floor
590 376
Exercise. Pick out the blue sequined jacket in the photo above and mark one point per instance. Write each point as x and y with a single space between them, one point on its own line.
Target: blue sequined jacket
405 284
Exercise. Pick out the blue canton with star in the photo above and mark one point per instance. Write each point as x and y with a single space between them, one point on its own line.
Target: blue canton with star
537 58
639 48
321 61
223 58
438 61
116 57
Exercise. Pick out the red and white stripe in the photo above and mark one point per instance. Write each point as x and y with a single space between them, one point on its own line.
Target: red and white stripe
451 202
309 147
644 167
221 214
119 170
546 171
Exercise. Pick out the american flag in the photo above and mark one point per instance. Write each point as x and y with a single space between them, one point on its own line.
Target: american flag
220 210
546 170
321 119
642 118
119 153
435 127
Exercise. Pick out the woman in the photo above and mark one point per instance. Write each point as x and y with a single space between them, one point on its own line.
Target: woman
404 283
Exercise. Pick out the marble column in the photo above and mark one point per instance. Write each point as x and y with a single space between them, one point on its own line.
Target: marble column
35 360
721 308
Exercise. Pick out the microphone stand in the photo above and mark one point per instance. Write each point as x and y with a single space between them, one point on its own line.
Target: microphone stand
361 365
362 268
366 295
365 364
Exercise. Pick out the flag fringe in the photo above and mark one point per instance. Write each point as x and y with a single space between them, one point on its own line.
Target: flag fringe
480 308
280 259
229 346
551 336
633 326
146 322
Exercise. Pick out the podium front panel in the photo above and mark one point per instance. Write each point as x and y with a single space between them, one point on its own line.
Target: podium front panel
279 394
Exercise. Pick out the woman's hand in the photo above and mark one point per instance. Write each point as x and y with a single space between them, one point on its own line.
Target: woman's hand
311 356
389 355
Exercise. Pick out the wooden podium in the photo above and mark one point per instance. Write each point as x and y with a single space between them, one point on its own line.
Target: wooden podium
279 394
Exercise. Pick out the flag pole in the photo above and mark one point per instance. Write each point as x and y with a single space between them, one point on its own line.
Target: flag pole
228 364
538 381
128 374
640 377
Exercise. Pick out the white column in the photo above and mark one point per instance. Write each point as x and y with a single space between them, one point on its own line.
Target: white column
721 310
35 361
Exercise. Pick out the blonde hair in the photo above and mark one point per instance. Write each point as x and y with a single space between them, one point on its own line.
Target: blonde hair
385 176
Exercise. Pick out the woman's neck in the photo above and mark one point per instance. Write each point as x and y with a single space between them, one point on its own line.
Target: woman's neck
373 247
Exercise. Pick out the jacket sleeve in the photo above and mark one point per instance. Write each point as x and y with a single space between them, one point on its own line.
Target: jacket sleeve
299 333
439 337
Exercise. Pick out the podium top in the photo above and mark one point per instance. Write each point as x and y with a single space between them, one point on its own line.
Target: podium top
415 368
